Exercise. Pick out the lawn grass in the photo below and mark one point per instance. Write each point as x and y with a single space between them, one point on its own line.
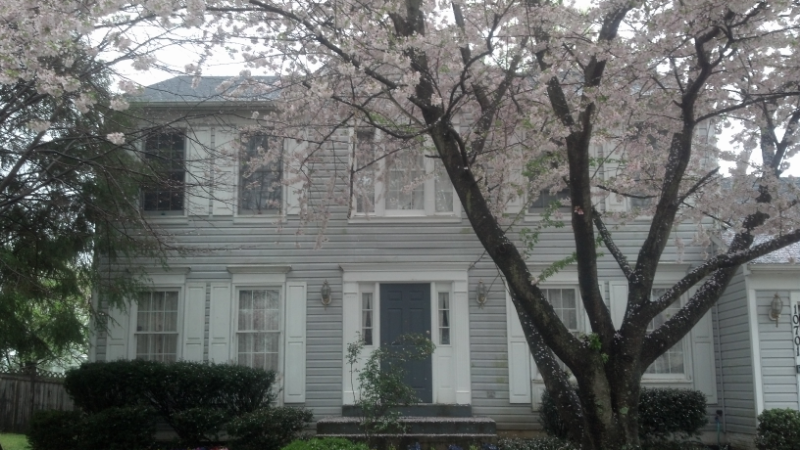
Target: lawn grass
14 442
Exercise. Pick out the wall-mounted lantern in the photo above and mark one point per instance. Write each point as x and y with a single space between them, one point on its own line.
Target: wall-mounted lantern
480 294
325 293
776 308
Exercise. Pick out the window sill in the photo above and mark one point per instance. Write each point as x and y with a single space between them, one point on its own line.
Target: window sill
258 219
166 219
357 220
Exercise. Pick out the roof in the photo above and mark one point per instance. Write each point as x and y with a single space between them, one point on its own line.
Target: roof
787 255
209 89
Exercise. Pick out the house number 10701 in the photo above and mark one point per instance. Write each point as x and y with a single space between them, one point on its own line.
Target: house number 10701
796 328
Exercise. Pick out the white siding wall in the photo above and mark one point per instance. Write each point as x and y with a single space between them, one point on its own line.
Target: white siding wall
778 371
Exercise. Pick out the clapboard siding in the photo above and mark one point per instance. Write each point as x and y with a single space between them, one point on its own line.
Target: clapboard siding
214 242
735 359
777 354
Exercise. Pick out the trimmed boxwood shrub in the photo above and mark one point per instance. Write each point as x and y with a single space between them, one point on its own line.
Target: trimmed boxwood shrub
662 412
129 428
778 429
267 429
54 430
326 444
194 398
547 443
671 411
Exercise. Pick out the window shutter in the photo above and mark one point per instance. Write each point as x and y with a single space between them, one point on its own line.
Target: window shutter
614 202
198 183
519 357
619 301
703 361
194 312
117 334
225 160
517 199
219 329
294 389
292 172
351 329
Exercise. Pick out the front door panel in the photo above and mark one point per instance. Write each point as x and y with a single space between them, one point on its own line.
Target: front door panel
406 309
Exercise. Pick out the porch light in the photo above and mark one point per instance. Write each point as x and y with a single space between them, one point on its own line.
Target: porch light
480 294
326 293
775 309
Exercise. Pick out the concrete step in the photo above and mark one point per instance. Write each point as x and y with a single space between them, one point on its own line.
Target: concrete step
339 426
419 410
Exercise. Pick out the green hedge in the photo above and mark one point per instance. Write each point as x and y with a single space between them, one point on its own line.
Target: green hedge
267 429
130 428
662 412
53 430
194 398
778 429
326 444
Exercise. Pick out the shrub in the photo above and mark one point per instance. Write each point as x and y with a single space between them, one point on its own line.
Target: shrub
326 444
267 428
54 430
778 429
169 387
129 428
549 419
548 443
198 426
671 411
662 412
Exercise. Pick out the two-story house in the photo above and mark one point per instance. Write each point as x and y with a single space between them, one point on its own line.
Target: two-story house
396 260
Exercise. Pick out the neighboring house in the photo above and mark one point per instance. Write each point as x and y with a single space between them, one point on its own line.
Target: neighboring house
253 291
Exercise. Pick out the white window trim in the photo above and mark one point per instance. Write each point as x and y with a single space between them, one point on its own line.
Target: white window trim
159 280
260 218
450 277
427 214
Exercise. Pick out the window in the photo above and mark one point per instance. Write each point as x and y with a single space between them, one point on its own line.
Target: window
258 330
672 361
403 183
157 326
164 155
260 175
444 318
565 304
367 308
546 199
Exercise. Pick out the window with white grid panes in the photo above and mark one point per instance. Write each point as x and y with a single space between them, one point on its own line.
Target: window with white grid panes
367 308
672 361
157 326
260 174
258 329
444 318
565 303
406 182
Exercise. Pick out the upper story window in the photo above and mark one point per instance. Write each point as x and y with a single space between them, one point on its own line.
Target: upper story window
260 175
547 200
672 362
403 183
164 153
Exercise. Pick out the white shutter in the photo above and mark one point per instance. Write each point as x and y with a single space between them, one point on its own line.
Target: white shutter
351 329
198 182
293 172
519 357
225 160
194 313
219 324
614 202
703 361
619 301
117 334
294 367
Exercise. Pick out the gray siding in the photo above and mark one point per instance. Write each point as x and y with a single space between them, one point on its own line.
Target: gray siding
735 359
778 373
214 242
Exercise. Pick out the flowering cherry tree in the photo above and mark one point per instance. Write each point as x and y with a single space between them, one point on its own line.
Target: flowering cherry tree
516 97
567 92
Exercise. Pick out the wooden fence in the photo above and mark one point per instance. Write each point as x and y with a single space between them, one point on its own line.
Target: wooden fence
25 392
